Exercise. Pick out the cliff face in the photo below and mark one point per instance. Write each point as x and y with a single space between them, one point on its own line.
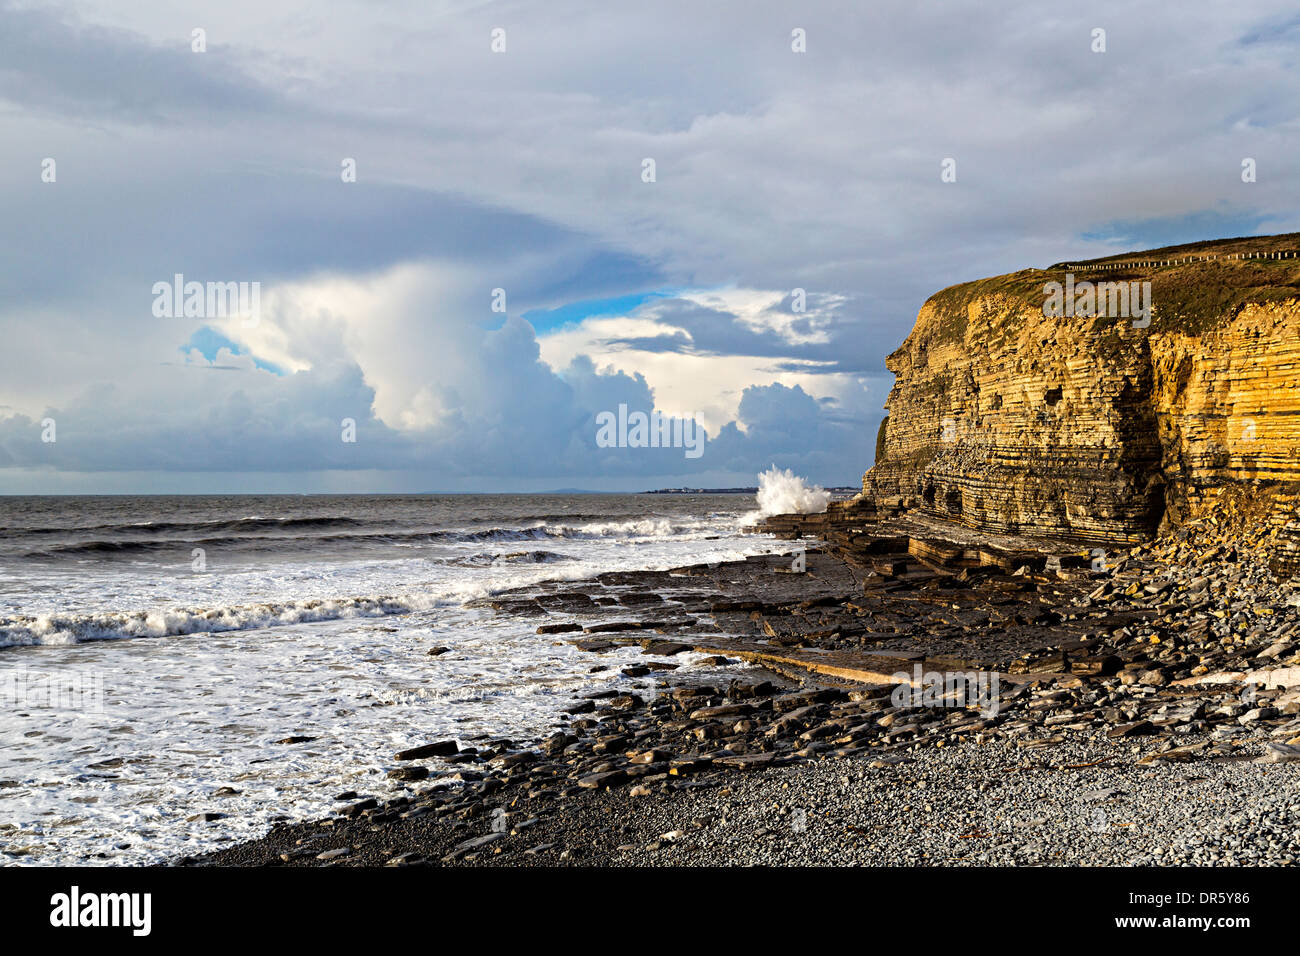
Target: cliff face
1084 426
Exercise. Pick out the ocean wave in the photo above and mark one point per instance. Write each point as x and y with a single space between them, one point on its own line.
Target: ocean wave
487 560
781 491
251 523
593 530
109 547
74 628
335 593
633 528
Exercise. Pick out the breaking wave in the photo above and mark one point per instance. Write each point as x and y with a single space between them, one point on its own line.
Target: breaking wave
485 560
109 547
252 523
782 492
73 628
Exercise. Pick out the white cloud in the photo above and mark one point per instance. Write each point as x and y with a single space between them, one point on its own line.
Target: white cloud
521 170
705 384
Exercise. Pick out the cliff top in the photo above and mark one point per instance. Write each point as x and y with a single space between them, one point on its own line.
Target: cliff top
1194 287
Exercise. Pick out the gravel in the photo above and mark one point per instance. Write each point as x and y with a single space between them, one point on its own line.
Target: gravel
1085 801
991 804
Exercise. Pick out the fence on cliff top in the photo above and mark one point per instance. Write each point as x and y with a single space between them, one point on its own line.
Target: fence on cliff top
1153 263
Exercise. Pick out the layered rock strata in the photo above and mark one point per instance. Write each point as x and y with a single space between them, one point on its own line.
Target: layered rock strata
1103 427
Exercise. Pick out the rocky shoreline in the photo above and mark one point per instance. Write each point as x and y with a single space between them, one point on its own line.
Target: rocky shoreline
1144 710
1074 555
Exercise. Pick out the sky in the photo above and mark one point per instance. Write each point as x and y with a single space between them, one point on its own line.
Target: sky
502 268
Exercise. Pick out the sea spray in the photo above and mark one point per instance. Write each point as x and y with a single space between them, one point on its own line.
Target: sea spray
782 492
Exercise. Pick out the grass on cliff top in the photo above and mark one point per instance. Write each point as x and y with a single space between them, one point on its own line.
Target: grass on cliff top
951 304
1282 242
1192 297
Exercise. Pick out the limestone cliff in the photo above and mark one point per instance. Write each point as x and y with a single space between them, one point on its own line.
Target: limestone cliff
1087 427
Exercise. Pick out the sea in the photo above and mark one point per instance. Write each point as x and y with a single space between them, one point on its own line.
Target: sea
156 652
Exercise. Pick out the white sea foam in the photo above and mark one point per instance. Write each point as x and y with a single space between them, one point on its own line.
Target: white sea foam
55 629
217 601
246 656
782 492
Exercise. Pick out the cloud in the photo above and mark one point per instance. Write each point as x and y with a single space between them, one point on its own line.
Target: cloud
186 418
542 424
789 428
702 348
57 65
521 171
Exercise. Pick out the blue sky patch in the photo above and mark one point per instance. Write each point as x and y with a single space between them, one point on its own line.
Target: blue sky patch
208 341
548 320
